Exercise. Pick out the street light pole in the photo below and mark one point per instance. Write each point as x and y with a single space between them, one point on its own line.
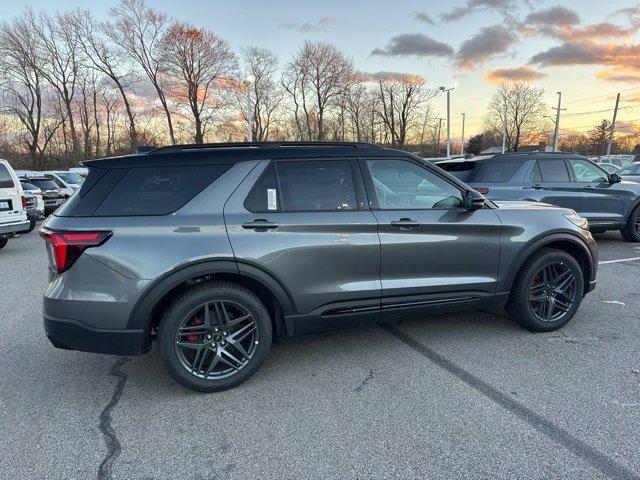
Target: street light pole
555 134
462 140
448 90
504 124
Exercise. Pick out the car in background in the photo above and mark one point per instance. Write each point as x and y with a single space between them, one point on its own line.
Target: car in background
609 167
52 194
82 171
69 182
563 179
13 215
631 172
619 160
35 203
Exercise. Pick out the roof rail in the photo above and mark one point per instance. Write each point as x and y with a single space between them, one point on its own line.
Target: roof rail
535 152
206 146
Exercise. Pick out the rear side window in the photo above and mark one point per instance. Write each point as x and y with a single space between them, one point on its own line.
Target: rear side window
302 186
497 172
6 181
316 185
45 184
553 171
158 190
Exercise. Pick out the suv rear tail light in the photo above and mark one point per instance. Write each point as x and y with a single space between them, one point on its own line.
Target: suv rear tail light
482 190
64 248
24 202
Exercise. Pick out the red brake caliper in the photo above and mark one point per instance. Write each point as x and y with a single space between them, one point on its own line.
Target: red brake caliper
197 320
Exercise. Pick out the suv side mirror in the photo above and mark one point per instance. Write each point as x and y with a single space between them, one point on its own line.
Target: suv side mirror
473 200
615 178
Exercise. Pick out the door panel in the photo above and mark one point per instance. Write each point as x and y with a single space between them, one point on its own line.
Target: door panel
430 256
600 200
550 183
328 260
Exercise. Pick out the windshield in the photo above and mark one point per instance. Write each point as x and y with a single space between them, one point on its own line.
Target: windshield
70 177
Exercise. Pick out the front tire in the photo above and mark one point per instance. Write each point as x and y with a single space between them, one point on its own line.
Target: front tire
547 291
3 242
214 336
631 231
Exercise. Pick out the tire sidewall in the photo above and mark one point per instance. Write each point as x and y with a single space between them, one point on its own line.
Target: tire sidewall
629 232
185 304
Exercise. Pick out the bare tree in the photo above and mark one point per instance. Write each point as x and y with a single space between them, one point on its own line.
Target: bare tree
137 30
317 76
199 63
524 108
103 57
61 58
265 94
400 99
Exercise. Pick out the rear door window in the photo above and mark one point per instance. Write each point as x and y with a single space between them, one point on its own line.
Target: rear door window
318 185
6 181
553 171
158 190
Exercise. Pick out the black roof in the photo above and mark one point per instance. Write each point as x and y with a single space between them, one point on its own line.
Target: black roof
195 154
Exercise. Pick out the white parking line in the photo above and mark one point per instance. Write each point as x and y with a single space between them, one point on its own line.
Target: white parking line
619 261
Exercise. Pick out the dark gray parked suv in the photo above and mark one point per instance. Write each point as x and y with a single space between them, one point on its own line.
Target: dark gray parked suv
217 249
568 180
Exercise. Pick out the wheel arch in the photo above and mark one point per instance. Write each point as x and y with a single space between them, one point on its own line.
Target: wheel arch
630 211
560 241
147 312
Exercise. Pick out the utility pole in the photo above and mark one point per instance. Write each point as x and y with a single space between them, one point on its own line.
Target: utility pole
437 152
504 124
555 134
613 124
462 140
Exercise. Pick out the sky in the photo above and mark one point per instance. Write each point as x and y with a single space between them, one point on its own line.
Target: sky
588 50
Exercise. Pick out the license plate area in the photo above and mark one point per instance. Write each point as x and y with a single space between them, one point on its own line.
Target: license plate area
5 205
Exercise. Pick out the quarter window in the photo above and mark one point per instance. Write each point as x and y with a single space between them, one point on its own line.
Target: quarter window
5 178
403 185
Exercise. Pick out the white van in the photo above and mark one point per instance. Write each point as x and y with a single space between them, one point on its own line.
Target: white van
13 213
69 182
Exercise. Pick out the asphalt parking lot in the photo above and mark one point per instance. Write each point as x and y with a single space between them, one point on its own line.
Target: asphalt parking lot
470 395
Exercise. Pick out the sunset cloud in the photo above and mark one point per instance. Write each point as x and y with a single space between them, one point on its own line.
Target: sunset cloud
308 27
553 16
388 76
414 44
590 53
619 74
471 6
484 45
423 17
522 74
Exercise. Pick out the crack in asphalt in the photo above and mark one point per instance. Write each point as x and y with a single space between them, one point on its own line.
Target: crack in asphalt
360 387
581 449
109 434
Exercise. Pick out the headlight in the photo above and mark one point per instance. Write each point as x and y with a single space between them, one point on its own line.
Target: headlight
576 219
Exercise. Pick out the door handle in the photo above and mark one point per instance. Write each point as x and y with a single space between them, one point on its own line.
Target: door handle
537 187
589 186
405 223
259 224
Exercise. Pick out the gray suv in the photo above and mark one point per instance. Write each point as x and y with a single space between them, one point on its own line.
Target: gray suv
216 249
607 201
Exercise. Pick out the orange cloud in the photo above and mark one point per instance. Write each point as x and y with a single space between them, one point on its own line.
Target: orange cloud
522 74
619 74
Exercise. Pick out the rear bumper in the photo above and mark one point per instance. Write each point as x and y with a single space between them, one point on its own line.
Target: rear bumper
11 228
75 335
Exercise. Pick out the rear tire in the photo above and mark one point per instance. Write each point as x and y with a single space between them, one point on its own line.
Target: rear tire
631 231
547 291
3 242
203 358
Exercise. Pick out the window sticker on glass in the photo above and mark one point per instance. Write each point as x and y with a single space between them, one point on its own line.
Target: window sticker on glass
272 202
